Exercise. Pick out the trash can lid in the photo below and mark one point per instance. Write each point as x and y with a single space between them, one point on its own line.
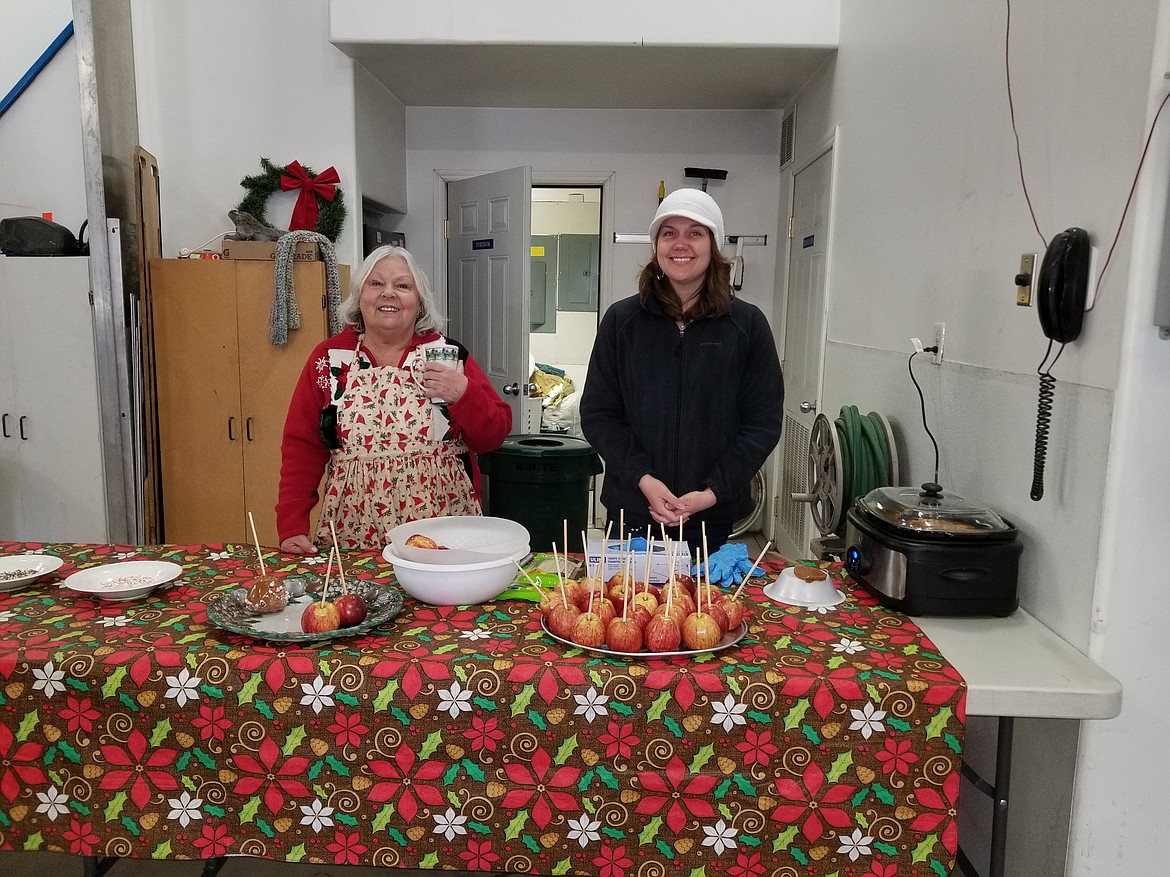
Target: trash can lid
544 445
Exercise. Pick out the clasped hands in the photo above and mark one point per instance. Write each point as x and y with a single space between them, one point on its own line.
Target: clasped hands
671 510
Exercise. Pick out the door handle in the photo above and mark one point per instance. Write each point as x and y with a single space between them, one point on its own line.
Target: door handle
512 389
231 431
4 421
248 428
23 418
808 407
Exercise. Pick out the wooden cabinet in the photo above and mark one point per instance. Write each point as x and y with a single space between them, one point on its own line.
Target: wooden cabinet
52 483
223 391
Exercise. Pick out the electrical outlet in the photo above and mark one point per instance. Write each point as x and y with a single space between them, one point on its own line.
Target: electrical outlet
1026 280
940 334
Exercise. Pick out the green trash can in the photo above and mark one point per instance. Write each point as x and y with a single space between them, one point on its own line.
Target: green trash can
541 481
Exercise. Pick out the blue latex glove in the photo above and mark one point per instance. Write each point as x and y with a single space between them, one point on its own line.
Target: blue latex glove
638 543
729 565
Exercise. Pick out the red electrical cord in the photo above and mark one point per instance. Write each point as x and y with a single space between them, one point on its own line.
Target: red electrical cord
1020 161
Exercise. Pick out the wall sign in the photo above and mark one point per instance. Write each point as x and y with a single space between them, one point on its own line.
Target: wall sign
485 244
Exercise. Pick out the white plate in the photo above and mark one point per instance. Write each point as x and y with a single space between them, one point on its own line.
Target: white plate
729 639
122 581
22 569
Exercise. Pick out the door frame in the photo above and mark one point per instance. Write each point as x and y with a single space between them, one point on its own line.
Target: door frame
829 143
604 179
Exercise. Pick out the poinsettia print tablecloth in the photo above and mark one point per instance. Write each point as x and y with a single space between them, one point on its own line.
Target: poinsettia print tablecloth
826 742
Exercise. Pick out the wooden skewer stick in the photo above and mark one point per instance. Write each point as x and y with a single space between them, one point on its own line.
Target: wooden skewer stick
524 573
560 578
707 570
328 569
735 596
255 538
337 550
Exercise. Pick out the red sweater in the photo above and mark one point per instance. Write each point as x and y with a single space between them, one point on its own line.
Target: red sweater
480 417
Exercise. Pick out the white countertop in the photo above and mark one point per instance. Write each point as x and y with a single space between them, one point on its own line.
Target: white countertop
1016 666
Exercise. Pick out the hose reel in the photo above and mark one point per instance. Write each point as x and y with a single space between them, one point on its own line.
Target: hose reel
847 458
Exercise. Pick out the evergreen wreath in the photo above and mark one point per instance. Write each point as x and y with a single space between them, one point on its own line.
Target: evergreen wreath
330 214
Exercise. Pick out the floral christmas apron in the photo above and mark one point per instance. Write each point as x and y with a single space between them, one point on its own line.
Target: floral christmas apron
394 464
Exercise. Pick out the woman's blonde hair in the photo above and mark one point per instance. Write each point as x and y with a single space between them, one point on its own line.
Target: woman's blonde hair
429 318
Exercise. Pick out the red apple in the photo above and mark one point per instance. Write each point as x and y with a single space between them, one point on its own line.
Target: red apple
700 631
320 617
674 610
562 619
715 610
588 630
733 609
351 609
662 634
605 610
624 635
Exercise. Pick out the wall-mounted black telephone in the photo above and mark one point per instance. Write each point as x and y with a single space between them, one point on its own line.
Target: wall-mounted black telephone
1061 292
1064 284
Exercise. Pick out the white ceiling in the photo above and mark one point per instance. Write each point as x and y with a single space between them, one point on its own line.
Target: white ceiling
604 77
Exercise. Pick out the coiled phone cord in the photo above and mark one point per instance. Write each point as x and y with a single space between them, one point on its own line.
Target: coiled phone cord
1043 421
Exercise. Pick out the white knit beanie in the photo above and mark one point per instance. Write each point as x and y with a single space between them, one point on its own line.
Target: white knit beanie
693 204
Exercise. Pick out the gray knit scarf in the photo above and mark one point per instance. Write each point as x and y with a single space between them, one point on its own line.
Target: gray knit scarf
285 314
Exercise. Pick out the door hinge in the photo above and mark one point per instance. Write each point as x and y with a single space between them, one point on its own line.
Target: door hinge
324 302
775 507
791 223
446 229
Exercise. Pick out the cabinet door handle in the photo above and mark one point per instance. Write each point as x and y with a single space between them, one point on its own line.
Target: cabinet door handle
248 428
231 430
4 420
23 418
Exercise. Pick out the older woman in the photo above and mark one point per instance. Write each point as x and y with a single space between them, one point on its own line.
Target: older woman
363 411
683 398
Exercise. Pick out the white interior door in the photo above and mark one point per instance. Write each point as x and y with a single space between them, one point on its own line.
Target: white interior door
804 346
489 222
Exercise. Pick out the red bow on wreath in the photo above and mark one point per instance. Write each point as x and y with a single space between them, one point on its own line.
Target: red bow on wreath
305 210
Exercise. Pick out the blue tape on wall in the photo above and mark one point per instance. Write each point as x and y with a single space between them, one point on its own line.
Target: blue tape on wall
36 68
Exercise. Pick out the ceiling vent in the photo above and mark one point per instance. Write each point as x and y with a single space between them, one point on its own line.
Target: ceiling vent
788 138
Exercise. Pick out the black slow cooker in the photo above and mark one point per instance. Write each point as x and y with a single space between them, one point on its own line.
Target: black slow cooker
924 552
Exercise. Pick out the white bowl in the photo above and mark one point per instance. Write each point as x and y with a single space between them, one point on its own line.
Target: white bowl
466 539
795 591
459 584
126 580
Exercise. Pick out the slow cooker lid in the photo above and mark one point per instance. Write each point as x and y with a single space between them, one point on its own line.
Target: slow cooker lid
929 510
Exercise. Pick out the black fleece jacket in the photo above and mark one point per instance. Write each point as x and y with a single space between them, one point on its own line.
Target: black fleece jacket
695 408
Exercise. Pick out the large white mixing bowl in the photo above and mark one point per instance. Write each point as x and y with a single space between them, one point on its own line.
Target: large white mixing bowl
452 584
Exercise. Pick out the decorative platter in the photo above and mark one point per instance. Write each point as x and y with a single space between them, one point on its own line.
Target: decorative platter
17 570
228 612
729 639
126 580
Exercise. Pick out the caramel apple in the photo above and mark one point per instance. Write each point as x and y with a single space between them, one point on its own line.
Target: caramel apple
266 594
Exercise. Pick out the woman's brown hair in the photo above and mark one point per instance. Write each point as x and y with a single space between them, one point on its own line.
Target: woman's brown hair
714 295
